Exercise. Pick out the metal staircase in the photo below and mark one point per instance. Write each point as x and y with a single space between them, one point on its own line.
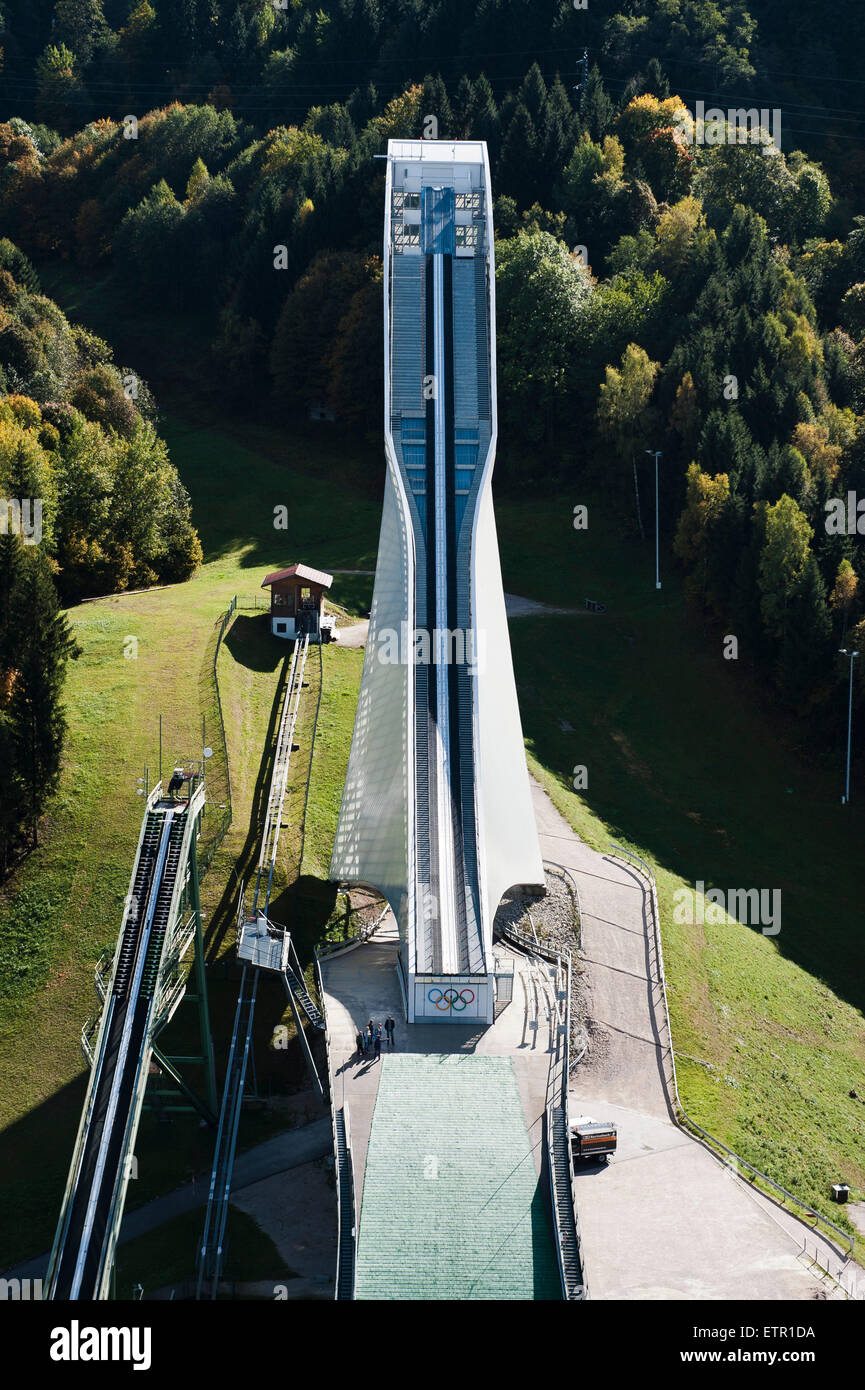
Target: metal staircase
140 987
295 986
261 945
564 1220
345 1189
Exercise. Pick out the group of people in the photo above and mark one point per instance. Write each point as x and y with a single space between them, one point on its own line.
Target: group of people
368 1039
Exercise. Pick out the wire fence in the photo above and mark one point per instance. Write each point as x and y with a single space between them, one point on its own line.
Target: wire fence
219 808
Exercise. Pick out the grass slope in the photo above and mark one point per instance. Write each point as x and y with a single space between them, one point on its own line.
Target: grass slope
74 885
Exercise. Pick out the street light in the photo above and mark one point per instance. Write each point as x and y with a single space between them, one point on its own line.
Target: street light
656 454
852 655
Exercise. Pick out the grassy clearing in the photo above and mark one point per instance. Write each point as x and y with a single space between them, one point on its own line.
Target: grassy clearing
74 885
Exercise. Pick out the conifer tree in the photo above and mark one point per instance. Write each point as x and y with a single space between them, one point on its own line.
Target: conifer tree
42 643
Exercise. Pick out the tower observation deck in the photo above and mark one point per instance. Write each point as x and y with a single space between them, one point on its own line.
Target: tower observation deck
436 811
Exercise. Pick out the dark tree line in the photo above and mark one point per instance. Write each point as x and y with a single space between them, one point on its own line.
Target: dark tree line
703 299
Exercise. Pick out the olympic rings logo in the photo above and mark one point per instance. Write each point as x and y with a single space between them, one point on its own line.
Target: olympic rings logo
451 999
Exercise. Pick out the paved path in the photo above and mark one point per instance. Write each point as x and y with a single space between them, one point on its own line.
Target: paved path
353 634
290 1150
517 607
666 1219
363 984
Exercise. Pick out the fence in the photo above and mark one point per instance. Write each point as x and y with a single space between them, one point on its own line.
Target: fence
557 1133
571 884
348 943
346 1210
769 1186
851 1280
218 769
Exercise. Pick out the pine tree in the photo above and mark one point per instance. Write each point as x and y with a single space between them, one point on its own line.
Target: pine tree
44 643
655 80
597 111
12 799
464 107
485 125
805 658
559 128
845 594
434 102
533 93
517 170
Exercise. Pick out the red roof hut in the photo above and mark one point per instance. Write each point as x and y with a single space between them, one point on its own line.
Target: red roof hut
297 602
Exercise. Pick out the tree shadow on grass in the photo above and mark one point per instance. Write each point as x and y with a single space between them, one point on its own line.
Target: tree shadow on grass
252 645
353 592
305 906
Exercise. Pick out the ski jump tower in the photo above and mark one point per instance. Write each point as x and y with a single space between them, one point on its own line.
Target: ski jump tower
436 812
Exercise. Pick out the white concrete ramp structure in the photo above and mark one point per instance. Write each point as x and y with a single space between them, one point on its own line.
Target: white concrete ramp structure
437 812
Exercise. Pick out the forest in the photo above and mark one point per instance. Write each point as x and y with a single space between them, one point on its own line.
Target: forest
659 285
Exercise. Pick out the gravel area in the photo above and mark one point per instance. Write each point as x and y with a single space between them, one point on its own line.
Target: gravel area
555 921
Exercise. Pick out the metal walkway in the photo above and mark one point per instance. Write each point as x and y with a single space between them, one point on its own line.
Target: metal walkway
146 984
346 1257
261 945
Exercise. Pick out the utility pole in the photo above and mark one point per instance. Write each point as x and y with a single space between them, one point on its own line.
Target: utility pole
583 66
845 800
656 454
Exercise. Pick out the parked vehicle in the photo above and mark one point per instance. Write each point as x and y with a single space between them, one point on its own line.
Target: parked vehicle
592 1138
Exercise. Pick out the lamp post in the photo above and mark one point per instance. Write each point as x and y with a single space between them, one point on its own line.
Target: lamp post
852 655
656 454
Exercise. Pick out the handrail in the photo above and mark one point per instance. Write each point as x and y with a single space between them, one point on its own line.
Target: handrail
572 884
279 776
363 933
525 942
576 1292
681 1116
562 959
320 987
403 982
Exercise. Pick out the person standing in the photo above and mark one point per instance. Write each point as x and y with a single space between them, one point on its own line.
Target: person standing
377 1043
358 1042
370 1036
389 1026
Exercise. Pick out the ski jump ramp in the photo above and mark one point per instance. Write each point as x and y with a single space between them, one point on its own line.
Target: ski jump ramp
436 812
